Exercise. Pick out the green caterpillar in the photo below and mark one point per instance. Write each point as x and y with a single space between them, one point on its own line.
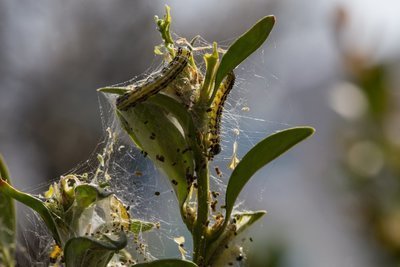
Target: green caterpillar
215 114
161 81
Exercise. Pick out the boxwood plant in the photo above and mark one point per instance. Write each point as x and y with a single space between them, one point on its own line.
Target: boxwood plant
174 118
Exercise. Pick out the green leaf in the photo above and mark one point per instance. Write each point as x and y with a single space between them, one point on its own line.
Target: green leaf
176 108
167 263
244 46
84 195
164 25
246 218
260 155
89 252
211 61
158 135
180 113
7 221
87 194
35 204
138 226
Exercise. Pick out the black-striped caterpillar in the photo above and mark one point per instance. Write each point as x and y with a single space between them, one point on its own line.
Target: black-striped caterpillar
215 114
156 84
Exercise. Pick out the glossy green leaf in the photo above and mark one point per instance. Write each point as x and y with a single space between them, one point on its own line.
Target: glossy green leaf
7 222
176 108
35 204
260 155
244 46
90 252
180 113
167 263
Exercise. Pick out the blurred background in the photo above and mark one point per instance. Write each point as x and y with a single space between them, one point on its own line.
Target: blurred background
335 65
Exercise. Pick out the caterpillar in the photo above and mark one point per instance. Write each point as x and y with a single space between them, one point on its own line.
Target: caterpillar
156 84
215 114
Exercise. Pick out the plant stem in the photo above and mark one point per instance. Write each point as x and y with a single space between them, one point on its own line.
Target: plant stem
200 233
4 174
